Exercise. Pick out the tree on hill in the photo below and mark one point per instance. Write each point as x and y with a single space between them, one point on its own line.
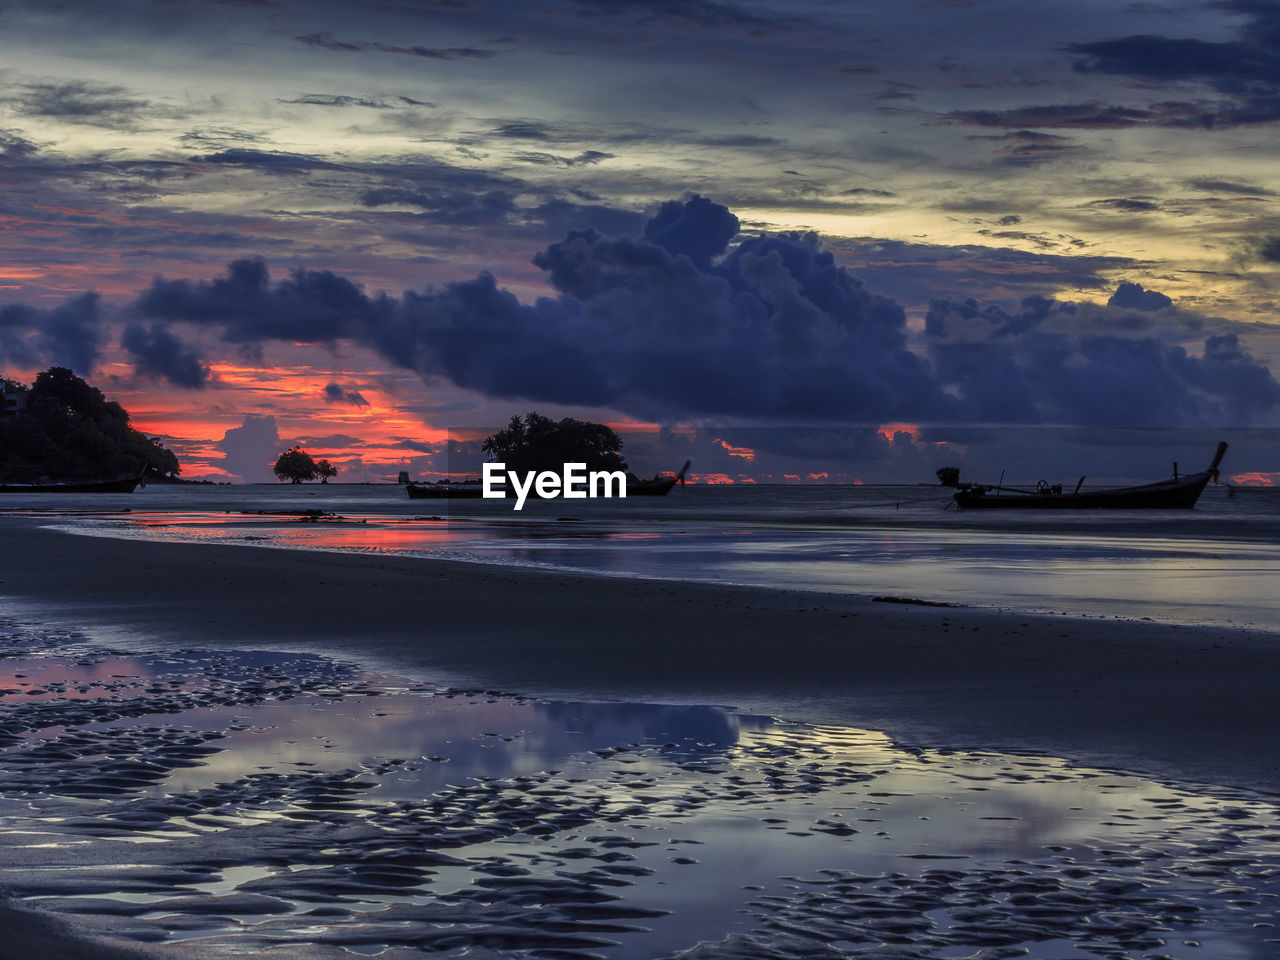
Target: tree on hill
296 465
70 431
535 442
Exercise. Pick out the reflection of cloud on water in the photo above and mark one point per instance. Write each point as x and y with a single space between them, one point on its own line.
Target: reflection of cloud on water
446 821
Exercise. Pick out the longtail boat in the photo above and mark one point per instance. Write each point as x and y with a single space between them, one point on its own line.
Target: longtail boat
85 486
1177 492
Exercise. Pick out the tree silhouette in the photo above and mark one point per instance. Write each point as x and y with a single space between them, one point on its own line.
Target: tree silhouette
535 442
296 465
70 431
325 470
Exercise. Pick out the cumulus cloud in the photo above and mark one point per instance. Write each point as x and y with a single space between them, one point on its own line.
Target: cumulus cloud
691 320
1060 362
66 335
1132 295
158 352
250 450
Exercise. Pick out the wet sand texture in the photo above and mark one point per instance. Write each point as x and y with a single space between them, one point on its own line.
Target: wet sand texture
236 803
1194 704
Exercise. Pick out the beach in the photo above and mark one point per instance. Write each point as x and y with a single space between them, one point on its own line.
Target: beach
1188 705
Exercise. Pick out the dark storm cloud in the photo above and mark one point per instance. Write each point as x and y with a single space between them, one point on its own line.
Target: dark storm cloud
689 321
1061 362
310 307
159 353
337 393
66 335
325 41
1132 296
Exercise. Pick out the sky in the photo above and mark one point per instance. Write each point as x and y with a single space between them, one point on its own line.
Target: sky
730 227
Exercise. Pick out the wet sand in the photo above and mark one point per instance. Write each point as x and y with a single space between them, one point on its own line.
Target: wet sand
1195 704
220 804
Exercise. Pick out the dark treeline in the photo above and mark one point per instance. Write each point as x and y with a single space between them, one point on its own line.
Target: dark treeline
62 428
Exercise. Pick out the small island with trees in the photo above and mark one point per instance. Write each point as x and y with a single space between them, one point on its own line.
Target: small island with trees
535 443
62 433
296 466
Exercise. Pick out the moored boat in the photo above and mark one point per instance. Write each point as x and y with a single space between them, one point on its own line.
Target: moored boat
83 486
444 489
1177 492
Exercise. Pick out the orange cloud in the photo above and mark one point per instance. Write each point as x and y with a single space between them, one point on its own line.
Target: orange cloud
746 453
1256 479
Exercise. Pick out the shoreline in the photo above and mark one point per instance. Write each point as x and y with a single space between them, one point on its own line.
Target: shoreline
1193 704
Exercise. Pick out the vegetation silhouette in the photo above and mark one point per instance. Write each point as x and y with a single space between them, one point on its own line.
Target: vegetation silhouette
535 442
296 465
64 429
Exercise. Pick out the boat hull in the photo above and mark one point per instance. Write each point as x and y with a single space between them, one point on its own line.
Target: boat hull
432 491
1169 495
91 486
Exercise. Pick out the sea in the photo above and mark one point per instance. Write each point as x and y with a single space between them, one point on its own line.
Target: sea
1215 564
222 802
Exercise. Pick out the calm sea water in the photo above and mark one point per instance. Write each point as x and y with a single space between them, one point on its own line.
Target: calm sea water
1218 563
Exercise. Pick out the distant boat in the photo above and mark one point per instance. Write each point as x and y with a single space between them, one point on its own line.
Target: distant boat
472 488
1178 492
85 486
445 490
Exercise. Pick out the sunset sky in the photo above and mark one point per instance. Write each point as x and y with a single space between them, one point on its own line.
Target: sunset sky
356 225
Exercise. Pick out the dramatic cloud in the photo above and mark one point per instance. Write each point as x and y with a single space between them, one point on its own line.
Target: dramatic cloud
337 393
684 322
250 450
1132 295
1066 363
67 335
159 353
